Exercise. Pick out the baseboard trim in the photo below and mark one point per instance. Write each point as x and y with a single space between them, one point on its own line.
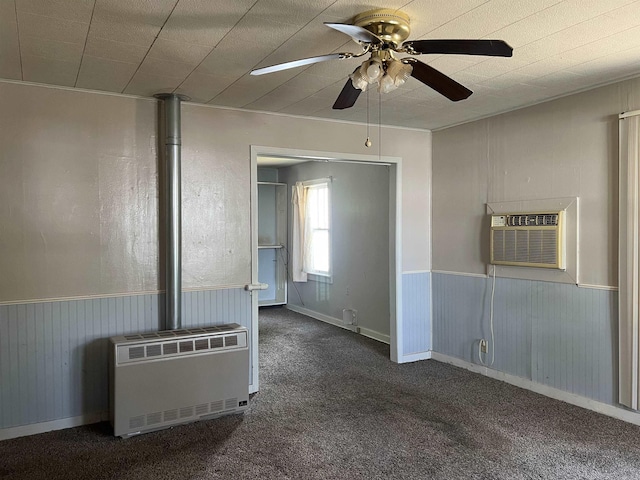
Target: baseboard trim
42 427
577 400
414 357
381 337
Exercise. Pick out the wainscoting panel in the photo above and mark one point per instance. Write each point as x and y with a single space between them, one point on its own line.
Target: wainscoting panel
575 340
416 312
54 355
553 334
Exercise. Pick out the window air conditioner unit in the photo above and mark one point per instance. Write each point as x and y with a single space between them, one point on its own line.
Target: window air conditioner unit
163 379
529 240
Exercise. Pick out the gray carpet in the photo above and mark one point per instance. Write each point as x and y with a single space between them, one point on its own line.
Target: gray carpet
332 406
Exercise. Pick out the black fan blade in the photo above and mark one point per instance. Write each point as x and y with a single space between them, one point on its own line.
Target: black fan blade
359 34
494 48
299 63
438 80
348 95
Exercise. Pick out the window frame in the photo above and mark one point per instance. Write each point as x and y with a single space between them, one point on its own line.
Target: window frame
315 275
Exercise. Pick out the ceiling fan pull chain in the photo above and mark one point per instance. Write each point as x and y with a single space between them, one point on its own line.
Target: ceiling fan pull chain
379 126
367 143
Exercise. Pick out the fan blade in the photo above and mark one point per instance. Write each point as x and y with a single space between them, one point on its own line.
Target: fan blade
438 80
359 34
299 63
348 95
494 48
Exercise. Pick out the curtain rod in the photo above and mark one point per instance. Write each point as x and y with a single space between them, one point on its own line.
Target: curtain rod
633 113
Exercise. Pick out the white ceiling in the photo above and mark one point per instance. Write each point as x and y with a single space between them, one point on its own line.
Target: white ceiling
206 48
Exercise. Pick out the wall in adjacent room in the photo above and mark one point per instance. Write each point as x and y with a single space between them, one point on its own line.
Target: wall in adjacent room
359 244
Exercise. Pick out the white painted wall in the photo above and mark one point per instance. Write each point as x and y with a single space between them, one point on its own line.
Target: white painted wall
563 148
78 178
359 243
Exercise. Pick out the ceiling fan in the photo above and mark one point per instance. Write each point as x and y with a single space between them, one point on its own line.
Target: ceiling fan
381 33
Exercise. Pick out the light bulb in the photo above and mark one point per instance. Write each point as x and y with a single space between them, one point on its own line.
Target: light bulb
367 143
373 71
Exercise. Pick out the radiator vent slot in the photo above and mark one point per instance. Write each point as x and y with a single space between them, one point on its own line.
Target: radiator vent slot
171 415
186 412
136 352
202 344
170 348
154 350
230 403
202 409
231 341
528 240
154 418
217 406
136 422
216 342
186 346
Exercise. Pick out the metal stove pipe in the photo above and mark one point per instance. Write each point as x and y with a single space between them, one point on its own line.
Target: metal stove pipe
172 207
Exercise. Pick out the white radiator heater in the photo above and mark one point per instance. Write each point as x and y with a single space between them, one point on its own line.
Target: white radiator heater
167 378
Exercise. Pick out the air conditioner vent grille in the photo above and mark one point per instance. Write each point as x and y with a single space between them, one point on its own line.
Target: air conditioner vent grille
231 341
216 342
528 239
202 344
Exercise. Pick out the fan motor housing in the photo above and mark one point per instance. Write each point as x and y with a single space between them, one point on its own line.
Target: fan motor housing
392 26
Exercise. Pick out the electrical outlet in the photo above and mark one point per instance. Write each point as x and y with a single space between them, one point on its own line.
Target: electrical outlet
483 345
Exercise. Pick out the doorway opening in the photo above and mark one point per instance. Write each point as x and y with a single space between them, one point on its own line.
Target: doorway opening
358 285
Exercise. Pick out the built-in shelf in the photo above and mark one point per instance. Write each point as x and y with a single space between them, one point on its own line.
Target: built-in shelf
272 239
272 183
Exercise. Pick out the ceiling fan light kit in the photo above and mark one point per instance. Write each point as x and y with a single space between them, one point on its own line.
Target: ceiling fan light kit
382 34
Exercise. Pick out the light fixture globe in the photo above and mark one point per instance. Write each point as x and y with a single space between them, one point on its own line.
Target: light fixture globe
374 69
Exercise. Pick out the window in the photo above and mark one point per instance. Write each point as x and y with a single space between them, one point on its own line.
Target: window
317 258
311 247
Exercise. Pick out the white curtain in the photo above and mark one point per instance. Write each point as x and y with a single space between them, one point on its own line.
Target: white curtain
628 278
299 201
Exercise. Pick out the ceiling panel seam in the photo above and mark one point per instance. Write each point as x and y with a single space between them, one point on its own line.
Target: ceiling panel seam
86 39
215 46
15 9
556 32
292 35
151 46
